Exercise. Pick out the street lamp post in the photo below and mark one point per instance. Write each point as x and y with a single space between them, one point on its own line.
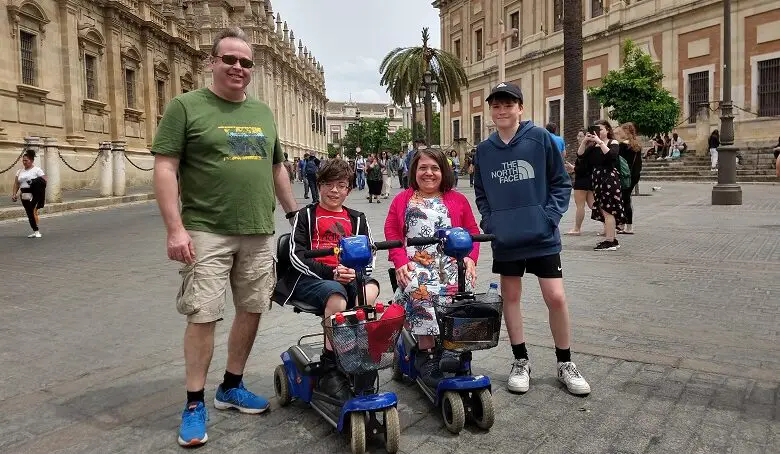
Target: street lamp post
727 191
360 131
428 88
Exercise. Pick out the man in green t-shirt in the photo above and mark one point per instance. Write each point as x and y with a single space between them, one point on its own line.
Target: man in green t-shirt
225 148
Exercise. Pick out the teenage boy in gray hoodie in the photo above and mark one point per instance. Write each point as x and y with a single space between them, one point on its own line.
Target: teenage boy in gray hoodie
522 191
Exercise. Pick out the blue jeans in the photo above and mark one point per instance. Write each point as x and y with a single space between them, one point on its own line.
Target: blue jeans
361 179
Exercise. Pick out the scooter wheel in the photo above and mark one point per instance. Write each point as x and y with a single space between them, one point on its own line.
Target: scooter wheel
453 412
392 430
482 409
357 442
282 386
397 374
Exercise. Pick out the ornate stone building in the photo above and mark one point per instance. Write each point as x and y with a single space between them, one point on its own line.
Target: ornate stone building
81 72
684 36
341 115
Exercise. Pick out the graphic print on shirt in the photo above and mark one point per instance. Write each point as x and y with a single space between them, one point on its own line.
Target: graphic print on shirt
245 142
513 171
329 229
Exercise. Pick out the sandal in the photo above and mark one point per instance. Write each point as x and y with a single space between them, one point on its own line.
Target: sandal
573 233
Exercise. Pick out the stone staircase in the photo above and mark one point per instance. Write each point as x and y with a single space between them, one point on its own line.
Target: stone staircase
758 165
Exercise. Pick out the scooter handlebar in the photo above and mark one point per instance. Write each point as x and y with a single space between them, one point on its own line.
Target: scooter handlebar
315 253
422 241
385 245
483 238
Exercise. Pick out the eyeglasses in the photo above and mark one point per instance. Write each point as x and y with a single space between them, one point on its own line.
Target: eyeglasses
232 59
341 186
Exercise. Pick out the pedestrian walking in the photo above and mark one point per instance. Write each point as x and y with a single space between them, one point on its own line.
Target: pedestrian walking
360 171
713 143
30 185
312 166
374 179
226 148
630 149
455 161
607 193
583 186
522 191
384 163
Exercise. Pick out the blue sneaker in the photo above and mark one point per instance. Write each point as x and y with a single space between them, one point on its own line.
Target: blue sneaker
241 399
192 431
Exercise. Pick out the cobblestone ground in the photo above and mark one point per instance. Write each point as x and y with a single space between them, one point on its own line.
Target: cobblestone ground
677 333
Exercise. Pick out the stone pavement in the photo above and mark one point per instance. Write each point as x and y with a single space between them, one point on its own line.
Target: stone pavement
677 333
77 199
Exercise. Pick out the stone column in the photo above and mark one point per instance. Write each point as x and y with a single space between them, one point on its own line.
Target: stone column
51 158
106 176
118 164
72 60
149 81
116 77
702 130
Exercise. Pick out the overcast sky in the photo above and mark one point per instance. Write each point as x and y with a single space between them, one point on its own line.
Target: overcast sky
351 37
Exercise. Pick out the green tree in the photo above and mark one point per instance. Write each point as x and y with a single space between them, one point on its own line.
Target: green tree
370 135
399 140
402 72
419 131
634 93
332 150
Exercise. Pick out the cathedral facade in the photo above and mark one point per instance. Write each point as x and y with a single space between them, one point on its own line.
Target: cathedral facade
82 72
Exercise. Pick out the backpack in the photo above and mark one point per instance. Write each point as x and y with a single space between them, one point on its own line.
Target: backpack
625 173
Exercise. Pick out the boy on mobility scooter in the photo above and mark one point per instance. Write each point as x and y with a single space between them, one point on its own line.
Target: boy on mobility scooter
321 269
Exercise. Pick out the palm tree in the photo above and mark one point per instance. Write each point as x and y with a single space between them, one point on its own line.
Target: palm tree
573 108
403 69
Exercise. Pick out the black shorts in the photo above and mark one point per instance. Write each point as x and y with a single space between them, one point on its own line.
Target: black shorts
546 266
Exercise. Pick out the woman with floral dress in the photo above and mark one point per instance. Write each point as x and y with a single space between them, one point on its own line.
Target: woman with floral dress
425 276
607 193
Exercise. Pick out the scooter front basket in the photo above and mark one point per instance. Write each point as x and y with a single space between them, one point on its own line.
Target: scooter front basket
366 346
472 323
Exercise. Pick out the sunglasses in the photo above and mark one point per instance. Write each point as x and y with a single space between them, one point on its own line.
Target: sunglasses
232 59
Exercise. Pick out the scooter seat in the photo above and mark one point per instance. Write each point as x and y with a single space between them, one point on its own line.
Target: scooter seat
303 306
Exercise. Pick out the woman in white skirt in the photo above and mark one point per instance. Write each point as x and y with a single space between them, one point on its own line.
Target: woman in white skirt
384 162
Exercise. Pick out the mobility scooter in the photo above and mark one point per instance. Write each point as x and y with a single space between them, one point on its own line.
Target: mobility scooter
470 322
363 339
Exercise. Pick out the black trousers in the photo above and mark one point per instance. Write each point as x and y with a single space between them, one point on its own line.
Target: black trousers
315 191
32 213
628 209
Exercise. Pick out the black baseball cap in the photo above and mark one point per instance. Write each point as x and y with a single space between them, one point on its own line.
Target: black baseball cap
507 88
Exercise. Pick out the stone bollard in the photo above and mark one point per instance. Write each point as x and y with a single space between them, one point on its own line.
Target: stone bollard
118 160
106 176
702 130
51 158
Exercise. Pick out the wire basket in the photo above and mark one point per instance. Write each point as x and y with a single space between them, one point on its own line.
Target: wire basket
366 346
470 324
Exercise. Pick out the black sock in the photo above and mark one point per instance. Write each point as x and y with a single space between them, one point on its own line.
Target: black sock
520 351
563 355
195 397
231 381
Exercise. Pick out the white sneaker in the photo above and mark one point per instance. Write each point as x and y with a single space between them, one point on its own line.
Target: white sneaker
571 377
519 377
34 235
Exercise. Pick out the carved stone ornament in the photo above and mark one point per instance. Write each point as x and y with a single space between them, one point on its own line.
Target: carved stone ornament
90 39
28 14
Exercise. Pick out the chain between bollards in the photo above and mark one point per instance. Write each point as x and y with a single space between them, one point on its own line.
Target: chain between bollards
14 163
74 169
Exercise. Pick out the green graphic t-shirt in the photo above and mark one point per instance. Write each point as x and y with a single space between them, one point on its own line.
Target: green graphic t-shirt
226 150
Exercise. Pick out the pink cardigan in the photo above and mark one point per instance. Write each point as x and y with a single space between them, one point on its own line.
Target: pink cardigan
395 228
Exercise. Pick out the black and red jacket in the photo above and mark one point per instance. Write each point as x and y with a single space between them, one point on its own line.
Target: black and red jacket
294 265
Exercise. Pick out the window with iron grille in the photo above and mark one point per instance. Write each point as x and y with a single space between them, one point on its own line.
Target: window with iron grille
130 88
27 48
90 63
596 8
554 112
593 113
557 15
698 93
160 97
456 48
334 137
477 129
514 22
478 45
769 88
313 124
455 129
